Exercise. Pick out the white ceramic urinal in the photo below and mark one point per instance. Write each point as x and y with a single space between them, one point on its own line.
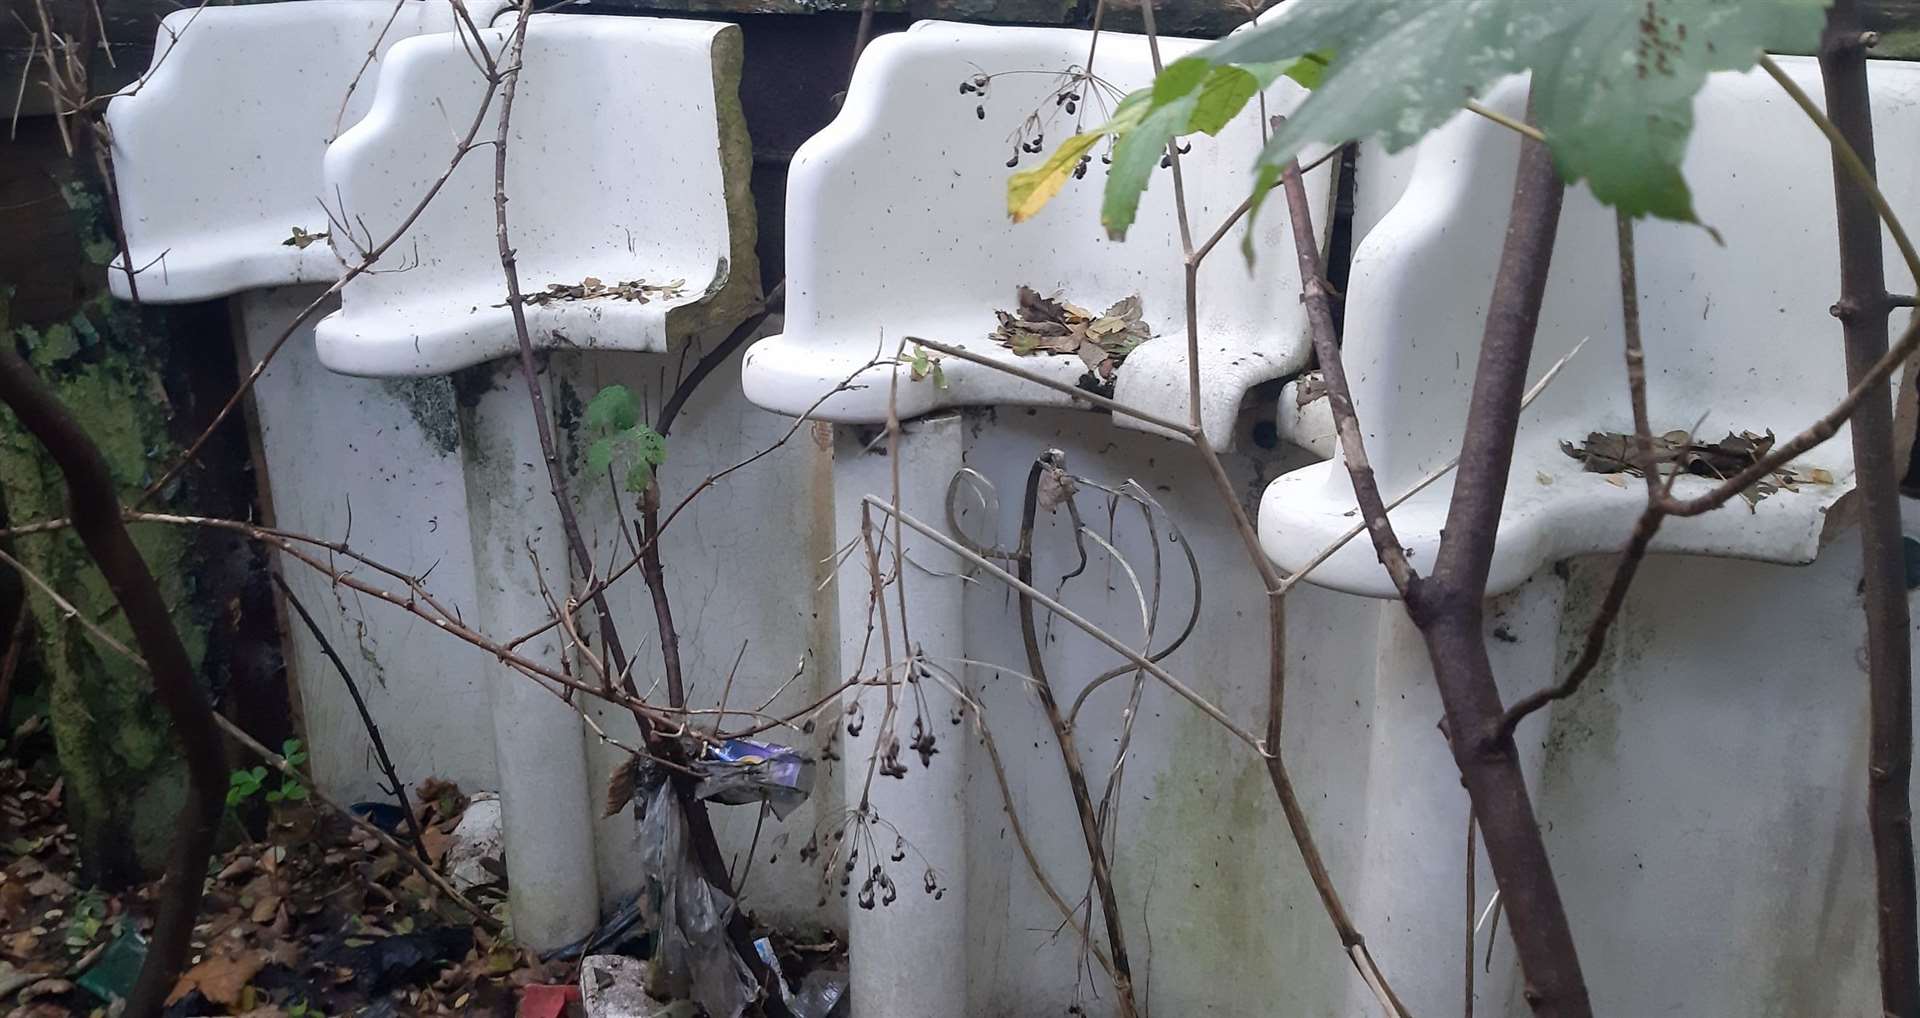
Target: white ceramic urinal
897 226
625 166
627 173
217 152
1729 329
1726 719
217 148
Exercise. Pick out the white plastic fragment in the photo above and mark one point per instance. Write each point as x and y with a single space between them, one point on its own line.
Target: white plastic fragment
476 839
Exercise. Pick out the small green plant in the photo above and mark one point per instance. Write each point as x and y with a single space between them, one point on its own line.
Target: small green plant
614 416
85 918
924 364
248 782
301 1009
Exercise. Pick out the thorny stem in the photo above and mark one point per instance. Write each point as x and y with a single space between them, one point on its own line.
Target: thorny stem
1069 753
1862 310
701 841
399 789
1448 605
1320 319
1326 346
1869 382
506 75
94 506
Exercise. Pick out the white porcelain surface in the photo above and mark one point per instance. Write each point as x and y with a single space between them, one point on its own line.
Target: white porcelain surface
897 226
217 153
1739 333
615 172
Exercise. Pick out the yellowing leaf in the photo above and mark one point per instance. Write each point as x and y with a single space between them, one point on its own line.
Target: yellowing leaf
1029 191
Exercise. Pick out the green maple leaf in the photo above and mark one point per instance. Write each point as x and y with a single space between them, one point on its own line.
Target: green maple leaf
613 408
1613 82
615 413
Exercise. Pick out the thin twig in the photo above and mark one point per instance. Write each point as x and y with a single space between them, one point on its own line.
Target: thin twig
399 788
1313 293
1073 618
1320 557
1097 860
279 763
481 917
1473 899
373 52
1650 518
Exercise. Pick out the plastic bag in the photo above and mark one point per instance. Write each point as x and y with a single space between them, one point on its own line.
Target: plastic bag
692 950
741 772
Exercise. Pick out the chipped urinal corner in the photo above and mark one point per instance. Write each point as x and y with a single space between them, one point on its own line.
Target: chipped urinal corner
1729 329
217 148
897 227
627 169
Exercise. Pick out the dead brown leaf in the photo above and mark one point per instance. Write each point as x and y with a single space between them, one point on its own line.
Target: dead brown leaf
221 978
50 885
1613 453
592 288
1047 325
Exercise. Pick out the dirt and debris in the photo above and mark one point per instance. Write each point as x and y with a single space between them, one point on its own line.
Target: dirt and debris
312 919
591 288
1616 454
1050 325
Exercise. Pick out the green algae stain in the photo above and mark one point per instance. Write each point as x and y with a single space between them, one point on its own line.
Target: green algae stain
1212 873
124 778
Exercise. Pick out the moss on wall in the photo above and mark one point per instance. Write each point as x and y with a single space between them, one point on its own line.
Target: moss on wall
124 779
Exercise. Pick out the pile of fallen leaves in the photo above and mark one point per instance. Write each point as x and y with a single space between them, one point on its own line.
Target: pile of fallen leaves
592 288
47 925
1616 454
1049 325
315 920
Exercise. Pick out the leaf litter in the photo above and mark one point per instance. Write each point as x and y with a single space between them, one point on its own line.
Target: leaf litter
591 288
1613 453
1049 325
315 919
